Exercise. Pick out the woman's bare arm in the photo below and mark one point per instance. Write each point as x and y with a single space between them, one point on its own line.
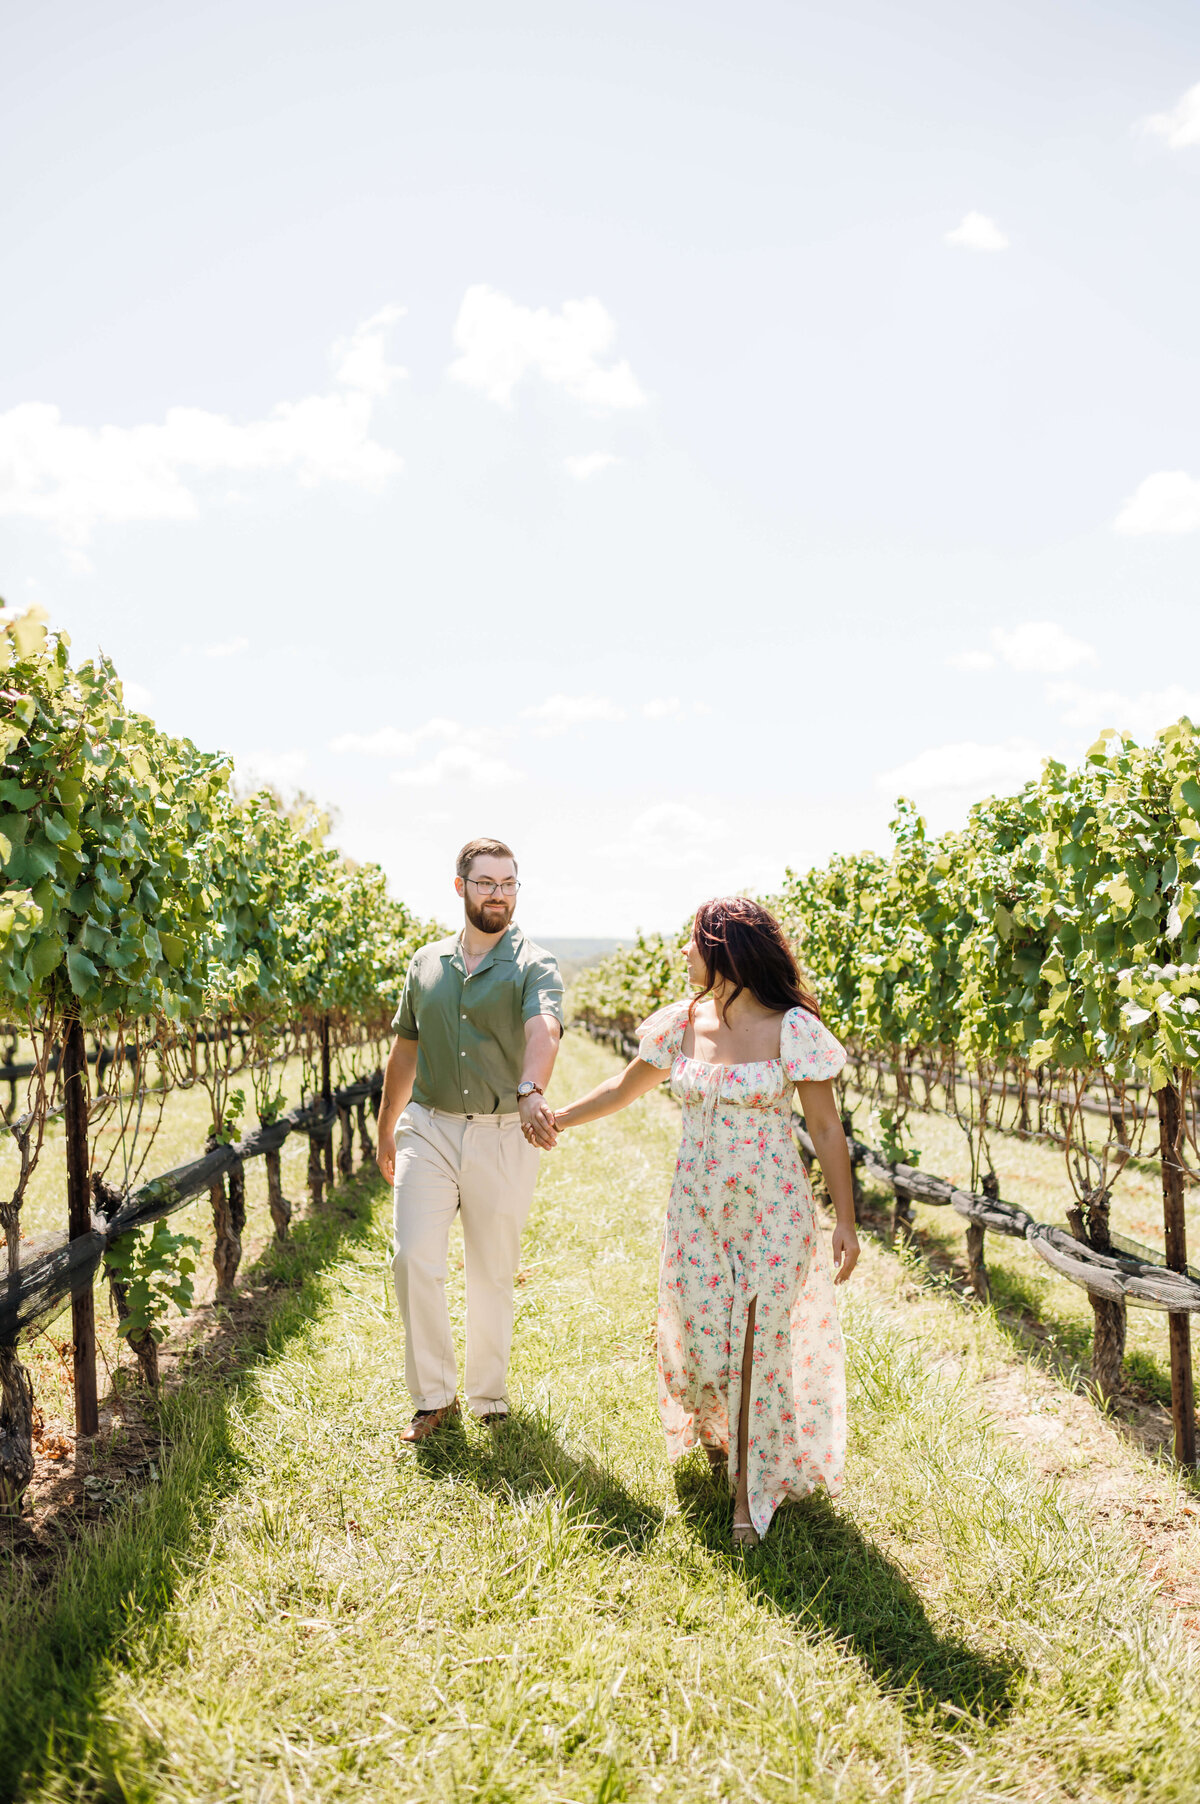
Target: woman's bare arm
613 1094
819 1107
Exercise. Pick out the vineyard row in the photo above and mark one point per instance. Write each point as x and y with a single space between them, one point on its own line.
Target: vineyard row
202 938
1047 954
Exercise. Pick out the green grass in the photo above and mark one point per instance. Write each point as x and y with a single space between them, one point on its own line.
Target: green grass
305 1609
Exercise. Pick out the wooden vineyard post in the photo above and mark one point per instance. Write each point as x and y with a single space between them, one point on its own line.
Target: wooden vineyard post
1183 1410
229 1218
977 1272
345 1157
327 1097
366 1145
281 1209
79 1223
316 1172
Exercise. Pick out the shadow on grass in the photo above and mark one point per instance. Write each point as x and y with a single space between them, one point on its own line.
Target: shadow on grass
524 1458
816 1566
114 1586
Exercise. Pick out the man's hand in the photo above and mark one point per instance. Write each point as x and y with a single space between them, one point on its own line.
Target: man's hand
537 1121
385 1156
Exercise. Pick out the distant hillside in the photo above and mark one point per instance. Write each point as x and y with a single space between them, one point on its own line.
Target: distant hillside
574 955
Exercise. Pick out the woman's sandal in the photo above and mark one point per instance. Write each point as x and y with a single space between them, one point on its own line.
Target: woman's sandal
745 1534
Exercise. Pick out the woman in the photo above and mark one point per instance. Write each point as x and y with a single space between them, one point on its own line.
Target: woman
750 1359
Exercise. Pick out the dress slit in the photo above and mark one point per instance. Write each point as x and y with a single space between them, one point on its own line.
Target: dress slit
736 1382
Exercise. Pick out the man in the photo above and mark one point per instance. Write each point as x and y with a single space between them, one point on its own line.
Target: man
462 1118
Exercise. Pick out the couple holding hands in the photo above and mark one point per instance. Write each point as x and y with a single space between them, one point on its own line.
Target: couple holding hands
750 1359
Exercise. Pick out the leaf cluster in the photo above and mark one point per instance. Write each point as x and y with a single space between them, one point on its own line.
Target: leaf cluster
155 1271
1060 927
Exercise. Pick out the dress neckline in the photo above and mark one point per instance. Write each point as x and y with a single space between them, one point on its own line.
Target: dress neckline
736 1065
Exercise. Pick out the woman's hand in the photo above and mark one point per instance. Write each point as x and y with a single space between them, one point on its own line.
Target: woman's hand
845 1252
537 1121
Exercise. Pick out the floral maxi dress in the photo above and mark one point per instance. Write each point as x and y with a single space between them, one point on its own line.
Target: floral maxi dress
741 1225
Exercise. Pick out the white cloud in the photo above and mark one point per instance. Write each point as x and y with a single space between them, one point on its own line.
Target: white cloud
560 712
1041 646
466 754
360 361
663 707
391 742
1168 501
279 770
1038 646
976 232
72 477
78 562
228 648
500 343
667 837
1180 128
136 697
1143 715
590 464
963 771
458 764
971 660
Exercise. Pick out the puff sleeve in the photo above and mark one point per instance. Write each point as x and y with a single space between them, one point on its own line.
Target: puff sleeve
808 1049
660 1039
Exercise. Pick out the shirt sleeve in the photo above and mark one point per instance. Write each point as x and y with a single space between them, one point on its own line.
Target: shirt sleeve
660 1039
404 1021
542 993
808 1049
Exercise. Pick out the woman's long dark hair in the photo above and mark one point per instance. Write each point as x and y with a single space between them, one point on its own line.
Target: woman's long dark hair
742 942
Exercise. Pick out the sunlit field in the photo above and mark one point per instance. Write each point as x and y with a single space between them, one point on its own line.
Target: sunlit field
304 1608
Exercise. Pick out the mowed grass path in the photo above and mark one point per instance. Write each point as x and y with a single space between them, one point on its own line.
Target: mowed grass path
303 1609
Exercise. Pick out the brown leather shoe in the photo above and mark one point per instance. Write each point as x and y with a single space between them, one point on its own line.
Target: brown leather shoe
428 1421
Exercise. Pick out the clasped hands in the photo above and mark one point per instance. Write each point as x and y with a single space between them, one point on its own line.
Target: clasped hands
537 1121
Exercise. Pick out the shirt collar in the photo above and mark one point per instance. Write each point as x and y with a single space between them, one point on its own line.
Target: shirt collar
503 952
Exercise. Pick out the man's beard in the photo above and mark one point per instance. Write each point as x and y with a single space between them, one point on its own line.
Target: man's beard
489 917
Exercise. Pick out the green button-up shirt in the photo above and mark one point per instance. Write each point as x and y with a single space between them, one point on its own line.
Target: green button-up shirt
471 1030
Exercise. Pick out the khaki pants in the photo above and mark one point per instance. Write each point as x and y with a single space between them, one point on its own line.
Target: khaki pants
483 1165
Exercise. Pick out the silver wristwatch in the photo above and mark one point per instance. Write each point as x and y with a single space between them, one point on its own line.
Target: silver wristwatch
529 1088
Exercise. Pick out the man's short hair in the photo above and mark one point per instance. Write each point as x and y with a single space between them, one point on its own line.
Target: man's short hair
481 848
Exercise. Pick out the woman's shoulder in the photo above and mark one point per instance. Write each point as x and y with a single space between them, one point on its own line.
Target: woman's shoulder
670 1016
809 1051
661 1034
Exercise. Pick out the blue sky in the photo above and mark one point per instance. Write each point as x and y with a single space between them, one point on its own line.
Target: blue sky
656 434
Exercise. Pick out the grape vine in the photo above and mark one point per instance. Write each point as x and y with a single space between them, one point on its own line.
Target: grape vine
1045 957
197 934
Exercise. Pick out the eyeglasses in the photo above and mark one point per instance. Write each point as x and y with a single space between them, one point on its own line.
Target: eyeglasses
486 887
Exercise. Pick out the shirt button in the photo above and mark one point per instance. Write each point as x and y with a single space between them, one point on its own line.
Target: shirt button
462 1055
